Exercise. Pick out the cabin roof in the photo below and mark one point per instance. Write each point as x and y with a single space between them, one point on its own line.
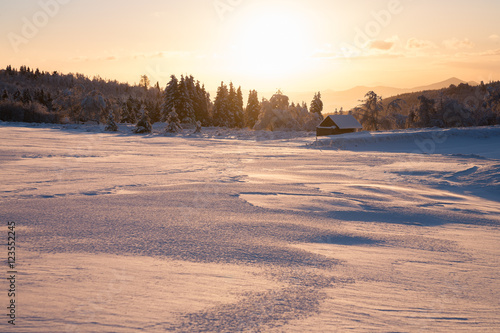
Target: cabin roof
342 121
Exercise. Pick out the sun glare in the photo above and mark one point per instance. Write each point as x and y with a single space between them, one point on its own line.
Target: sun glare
270 43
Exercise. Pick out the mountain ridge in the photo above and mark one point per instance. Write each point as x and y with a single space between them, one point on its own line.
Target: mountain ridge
350 98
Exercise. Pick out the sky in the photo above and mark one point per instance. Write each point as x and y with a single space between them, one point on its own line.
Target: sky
295 46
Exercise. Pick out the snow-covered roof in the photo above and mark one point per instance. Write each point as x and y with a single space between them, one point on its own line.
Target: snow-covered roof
342 121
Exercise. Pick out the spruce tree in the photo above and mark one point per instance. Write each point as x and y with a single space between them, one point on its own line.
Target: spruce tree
110 123
201 102
220 114
128 112
173 122
171 96
185 104
144 124
252 110
239 116
232 108
153 108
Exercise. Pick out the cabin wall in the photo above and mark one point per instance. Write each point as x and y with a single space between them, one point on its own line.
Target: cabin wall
333 131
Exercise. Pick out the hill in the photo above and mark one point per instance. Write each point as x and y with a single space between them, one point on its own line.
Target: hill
350 98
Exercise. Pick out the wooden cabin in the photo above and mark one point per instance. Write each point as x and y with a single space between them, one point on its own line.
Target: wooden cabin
338 124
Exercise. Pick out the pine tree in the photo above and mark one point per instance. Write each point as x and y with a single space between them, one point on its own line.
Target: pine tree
317 104
252 110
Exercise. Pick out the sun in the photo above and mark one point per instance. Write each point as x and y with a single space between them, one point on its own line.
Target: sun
271 42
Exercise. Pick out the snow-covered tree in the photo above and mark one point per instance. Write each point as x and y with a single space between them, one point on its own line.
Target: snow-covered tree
171 96
317 104
201 102
184 107
173 122
288 117
198 127
369 112
144 82
26 96
425 111
239 116
252 110
232 106
93 106
128 112
221 106
279 101
110 123
144 124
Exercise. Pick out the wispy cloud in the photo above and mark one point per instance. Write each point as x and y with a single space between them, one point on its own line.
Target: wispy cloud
144 55
419 44
458 44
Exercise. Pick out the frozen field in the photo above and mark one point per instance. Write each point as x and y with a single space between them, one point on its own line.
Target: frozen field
243 231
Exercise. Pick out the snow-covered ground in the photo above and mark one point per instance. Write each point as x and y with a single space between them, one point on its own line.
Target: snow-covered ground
252 231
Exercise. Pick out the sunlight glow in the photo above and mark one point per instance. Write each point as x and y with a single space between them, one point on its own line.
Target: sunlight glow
271 43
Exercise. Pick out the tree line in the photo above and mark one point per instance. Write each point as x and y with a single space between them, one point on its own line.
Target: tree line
456 106
75 98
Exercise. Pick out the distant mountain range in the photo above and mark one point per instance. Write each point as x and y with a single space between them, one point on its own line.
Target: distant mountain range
348 99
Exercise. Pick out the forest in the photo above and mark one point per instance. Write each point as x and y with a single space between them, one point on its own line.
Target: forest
31 95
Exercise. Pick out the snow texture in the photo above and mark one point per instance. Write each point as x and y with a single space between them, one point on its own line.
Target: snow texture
238 230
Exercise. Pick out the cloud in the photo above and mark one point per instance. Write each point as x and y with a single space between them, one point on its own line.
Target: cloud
419 44
381 45
163 54
457 44
494 38
490 53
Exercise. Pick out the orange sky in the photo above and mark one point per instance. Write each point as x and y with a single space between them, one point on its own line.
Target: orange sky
310 45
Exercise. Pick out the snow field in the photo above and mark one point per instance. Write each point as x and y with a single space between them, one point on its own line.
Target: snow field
120 232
